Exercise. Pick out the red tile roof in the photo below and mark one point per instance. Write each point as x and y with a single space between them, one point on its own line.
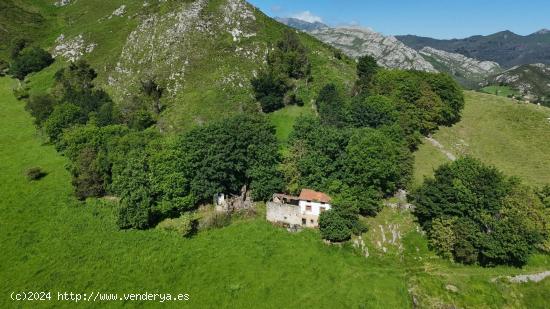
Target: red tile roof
310 195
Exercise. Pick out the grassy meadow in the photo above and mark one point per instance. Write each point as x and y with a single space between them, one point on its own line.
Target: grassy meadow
503 91
51 242
513 136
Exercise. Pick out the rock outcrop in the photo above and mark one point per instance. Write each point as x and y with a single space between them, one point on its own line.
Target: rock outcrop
389 52
460 65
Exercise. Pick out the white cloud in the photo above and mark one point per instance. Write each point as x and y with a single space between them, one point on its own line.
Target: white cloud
307 16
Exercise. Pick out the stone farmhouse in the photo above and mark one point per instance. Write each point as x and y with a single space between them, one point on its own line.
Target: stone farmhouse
298 211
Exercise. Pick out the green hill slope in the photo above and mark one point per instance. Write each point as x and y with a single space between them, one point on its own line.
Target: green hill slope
499 131
202 52
53 243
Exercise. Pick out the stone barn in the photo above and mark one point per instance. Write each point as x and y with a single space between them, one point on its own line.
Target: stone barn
298 211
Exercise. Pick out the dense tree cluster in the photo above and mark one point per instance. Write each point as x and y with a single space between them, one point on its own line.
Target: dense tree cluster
359 148
286 63
28 60
157 177
475 214
74 100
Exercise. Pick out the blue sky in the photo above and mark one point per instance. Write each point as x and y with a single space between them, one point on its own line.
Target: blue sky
439 19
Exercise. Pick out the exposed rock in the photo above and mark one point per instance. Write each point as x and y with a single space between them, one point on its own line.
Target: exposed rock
459 65
389 52
119 12
532 81
149 49
529 278
452 288
72 49
62 3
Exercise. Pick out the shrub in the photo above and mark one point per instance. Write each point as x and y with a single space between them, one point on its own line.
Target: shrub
35 173
40 107
183 226
214 220
270 89
334 227
29 61
21 92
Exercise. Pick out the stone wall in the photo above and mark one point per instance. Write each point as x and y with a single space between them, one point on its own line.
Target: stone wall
283 213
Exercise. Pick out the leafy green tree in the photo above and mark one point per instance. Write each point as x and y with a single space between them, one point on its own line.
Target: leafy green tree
132 183
373 159
74 85
451 95
442 237
334 227
63 117
29 61
318 152
367 67
373 111
88 180
270 90
331 106
40 107
290 57
496 220
225 156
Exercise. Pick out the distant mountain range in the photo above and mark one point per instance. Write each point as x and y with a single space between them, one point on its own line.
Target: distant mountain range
300 24
506 48
503 59
392 53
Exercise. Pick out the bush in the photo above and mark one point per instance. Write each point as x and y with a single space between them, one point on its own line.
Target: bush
29 61
270 89
35 173
334 227
214 220
21 92
40 107
183 226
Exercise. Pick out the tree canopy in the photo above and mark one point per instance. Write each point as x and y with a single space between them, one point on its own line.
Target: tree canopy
476 214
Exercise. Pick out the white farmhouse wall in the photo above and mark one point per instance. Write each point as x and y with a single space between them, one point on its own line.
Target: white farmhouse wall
315 207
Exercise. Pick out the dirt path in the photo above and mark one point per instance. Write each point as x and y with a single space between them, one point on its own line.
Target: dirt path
441 148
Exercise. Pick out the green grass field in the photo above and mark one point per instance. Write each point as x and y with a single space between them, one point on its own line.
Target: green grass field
51 242
512 136
503 91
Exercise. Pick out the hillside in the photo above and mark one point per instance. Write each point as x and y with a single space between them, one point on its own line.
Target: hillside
499 131
202 52
506 48
469 72
531 82
56 243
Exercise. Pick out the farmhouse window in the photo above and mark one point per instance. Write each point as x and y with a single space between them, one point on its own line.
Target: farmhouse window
322 209
308 207
304 221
